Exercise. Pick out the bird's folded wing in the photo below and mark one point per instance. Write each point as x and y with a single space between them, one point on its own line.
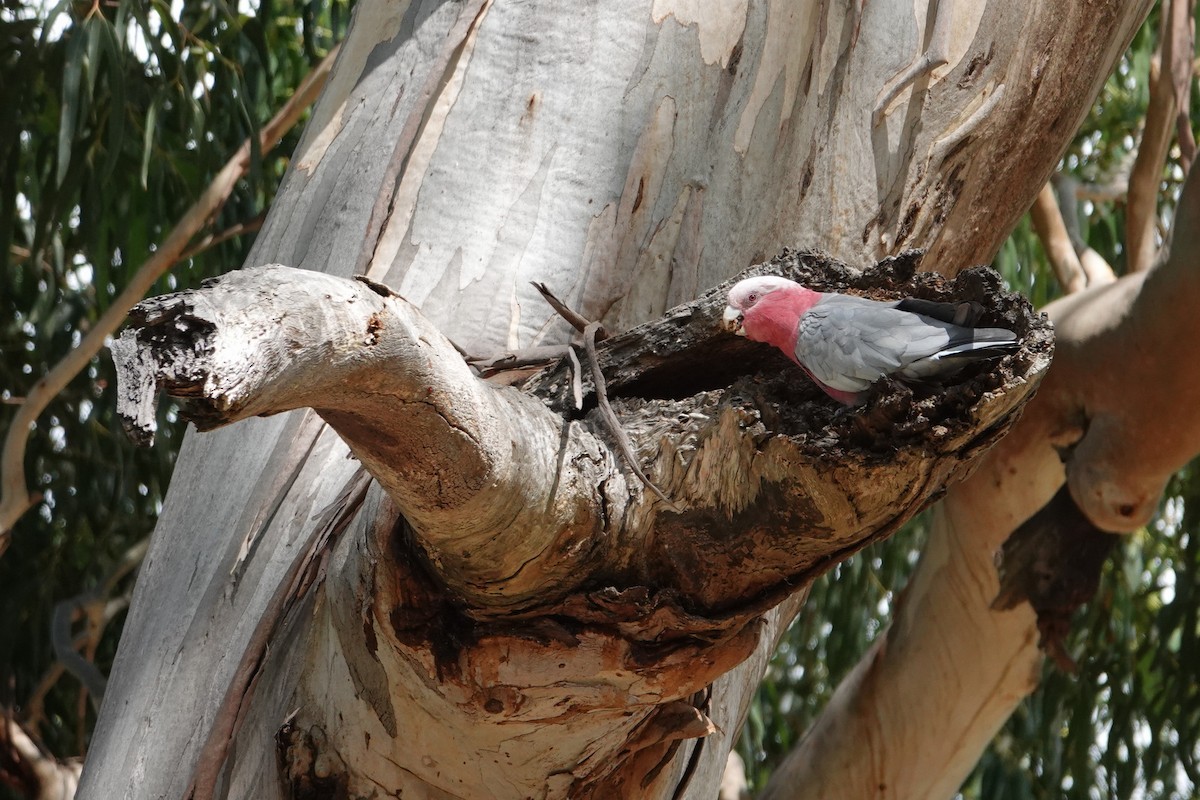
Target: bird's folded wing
848 343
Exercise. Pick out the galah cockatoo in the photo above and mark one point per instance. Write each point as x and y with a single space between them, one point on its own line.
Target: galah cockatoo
846 343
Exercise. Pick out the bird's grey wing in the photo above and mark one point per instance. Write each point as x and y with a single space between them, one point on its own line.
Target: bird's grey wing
848 342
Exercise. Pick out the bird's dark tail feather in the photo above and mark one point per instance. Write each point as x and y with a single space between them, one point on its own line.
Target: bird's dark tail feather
981 347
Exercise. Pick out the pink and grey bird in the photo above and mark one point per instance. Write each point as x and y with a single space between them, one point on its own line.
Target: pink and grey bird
846 343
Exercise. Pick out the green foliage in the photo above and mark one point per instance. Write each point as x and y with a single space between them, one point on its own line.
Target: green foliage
115 117
1128 725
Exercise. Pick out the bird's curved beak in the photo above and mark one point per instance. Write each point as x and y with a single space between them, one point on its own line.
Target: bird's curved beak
732 321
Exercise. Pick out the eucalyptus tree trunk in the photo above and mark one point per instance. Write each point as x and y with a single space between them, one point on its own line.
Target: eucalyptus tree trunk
503 608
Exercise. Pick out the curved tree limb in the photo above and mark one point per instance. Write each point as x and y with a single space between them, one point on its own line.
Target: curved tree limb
15 499
478 469
471 465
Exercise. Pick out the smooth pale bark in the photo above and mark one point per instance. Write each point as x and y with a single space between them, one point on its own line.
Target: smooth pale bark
630 155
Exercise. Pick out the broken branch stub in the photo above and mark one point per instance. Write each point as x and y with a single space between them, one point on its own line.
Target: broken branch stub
516 500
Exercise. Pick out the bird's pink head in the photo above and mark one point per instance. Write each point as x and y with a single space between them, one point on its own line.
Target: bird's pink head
768 309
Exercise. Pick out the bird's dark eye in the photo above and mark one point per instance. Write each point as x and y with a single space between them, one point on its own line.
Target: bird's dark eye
752 297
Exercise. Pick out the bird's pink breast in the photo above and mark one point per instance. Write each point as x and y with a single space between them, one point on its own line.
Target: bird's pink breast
775 318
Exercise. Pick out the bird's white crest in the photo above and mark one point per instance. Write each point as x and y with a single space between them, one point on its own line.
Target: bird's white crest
746 293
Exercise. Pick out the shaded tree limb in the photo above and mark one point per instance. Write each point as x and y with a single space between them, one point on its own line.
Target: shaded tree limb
15 498
1052 561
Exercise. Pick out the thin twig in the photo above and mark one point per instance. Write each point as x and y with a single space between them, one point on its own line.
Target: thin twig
592 333
214 239
577 320
610 418
15 499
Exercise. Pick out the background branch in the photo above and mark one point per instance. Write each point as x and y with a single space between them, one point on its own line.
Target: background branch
25 766
98 607
1076 265
15 499
1178 47
1096 269
1141 209
1052 231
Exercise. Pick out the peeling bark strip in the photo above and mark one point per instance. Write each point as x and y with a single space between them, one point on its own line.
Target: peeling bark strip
1053 561
525 550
